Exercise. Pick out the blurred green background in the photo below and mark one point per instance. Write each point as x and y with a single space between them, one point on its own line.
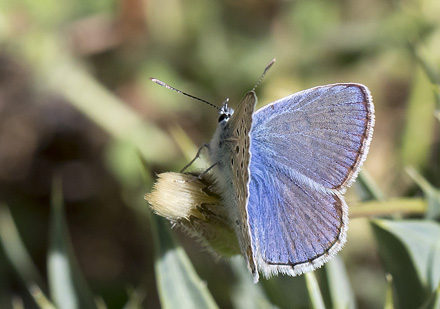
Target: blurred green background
76 102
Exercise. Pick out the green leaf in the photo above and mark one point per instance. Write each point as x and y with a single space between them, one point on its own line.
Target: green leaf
177 282
287 292
20 259
40 298
389 302
427 63
55 67
432 193
411 252
315 296
402 206
433 301
246 294
337 284
67 285
135 298
16 251
417 137
367 188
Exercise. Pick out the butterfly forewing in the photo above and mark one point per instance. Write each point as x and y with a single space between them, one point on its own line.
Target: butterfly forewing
320 135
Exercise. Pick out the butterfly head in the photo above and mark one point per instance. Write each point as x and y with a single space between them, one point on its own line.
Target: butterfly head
225 112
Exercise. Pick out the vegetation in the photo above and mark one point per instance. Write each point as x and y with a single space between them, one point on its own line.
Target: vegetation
83 132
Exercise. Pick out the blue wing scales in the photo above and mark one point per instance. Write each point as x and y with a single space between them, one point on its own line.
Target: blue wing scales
305 150
321 133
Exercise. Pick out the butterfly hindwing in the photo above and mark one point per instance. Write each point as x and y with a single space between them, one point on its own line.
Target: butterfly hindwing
307 227
232 158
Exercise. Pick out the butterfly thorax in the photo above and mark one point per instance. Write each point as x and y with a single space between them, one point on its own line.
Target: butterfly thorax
217 146
218 152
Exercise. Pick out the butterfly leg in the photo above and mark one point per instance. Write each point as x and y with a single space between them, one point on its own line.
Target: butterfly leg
201 175
206 171
195 158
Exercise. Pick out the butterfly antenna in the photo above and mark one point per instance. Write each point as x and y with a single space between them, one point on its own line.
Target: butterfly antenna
181 92
264 73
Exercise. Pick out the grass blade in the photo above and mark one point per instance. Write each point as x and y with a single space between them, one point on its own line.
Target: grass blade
315 296
15 250
402 206
411 252
432 194
178 284
246 294
389 301
434 300
67 285
61 73
20 258
338 284
417 137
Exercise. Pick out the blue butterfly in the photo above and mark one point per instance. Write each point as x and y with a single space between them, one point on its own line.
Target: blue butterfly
281 173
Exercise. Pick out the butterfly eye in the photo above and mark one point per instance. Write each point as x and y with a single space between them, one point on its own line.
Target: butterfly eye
223 117
225 112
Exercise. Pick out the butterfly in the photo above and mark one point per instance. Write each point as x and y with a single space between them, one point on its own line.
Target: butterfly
279 174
